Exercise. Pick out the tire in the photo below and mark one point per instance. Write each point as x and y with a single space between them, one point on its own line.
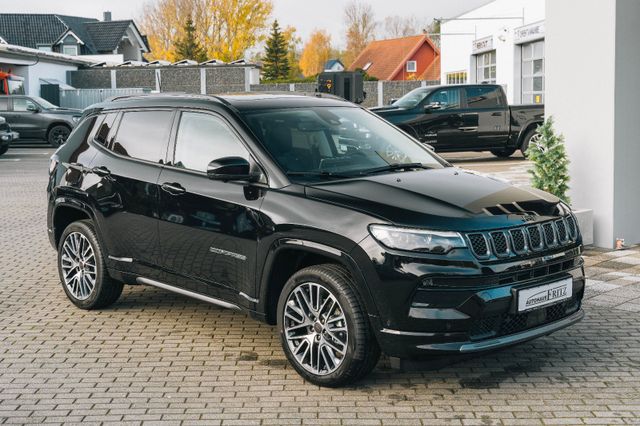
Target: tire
4 149
58 135
504 153
344 325
80 237
529 137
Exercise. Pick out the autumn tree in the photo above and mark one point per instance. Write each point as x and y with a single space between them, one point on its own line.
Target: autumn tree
276 62
316 53
188 47
293 42
224 28
400 26
361 26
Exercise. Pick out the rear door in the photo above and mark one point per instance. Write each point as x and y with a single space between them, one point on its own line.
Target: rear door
126 194
208 229
487 103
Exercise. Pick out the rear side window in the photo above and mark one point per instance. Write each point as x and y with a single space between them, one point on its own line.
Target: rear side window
4 103
143 135
203 138
482 97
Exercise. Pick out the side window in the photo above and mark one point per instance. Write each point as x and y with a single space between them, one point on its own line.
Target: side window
143 135
482 97
446 98
203 138
103 126
23 104
4 103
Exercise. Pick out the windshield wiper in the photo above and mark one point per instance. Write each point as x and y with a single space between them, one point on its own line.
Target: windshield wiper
320 174
394 167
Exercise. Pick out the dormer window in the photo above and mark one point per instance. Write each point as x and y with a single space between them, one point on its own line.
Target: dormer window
70 49
367 66
412 66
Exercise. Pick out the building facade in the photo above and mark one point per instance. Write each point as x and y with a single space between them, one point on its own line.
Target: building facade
500 42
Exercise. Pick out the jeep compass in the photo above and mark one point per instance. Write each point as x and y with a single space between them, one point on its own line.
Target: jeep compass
312 214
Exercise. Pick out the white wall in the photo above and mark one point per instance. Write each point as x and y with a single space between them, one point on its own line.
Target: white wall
46 70
597 113
456 49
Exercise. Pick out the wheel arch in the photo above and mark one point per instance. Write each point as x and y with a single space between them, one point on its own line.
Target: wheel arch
288 256
525 130
66 212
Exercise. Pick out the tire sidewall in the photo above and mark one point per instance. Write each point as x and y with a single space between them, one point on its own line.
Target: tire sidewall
337 377
526 141
85 229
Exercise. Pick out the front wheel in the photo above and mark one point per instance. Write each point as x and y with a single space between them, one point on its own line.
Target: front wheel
58 135
532 137
82 268
324 329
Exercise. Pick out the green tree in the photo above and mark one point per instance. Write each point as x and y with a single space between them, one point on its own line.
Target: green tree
276 58
550 163
188 46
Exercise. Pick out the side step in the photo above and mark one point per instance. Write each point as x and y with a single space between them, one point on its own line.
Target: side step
212 300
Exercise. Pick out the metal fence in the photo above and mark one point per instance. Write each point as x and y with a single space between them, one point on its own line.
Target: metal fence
82 98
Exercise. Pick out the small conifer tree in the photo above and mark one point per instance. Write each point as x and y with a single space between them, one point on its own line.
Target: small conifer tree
188 46
276 62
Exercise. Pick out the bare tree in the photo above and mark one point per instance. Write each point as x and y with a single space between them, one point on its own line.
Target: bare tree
361 26
400 26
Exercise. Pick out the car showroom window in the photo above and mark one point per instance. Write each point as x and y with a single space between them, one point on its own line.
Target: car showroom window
446 98
482 97
203 138
143 135
23 104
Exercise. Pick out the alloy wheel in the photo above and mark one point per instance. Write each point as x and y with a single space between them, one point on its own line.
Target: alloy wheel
59 135
78 263
315 328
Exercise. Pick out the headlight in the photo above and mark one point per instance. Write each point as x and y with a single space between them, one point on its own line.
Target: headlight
421 240
76 118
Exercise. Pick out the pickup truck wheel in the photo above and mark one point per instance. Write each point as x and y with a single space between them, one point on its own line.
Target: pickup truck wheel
503 153
324 329
531 137
4 149
58 135
82 268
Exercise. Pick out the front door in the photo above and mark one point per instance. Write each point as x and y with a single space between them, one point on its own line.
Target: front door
126 192
25 118
208 229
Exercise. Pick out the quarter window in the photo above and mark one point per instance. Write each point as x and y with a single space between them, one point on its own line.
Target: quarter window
102 127
143 135
203 138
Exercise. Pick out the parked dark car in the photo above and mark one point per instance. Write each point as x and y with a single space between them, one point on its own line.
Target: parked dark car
6 136
35 118
470 117
313 214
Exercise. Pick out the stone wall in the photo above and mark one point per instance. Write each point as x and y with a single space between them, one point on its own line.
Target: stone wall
136 78
90 79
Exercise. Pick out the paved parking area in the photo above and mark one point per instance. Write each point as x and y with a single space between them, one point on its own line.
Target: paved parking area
161 358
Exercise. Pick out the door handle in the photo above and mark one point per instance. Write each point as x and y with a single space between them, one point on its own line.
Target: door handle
468 129
173 188
101 171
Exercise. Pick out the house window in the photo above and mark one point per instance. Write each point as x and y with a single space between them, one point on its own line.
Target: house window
533 72
486 67
457 77
70 50
412 66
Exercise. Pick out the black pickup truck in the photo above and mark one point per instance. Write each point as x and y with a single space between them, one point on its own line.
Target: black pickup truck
468 117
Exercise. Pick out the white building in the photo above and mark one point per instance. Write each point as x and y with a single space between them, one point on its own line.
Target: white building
501 42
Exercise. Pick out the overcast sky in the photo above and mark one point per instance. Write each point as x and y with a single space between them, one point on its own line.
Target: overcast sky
305 15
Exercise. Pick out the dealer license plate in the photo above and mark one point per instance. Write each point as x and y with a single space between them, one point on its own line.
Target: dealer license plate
536 297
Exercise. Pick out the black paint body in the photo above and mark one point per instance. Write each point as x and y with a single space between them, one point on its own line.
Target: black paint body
238 241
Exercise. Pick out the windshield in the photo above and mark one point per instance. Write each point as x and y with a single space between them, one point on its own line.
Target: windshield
413 98
327 142
43 103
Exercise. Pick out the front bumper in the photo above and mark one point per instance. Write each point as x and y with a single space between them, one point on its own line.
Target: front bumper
8 137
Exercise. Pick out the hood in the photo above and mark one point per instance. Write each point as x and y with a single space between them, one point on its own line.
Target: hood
389 110
448 198
64 111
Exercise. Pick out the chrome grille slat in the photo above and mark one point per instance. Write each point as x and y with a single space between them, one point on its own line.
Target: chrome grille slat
523 240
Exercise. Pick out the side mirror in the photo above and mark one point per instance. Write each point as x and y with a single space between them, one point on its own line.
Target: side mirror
434 106
392 101
32 108
231 168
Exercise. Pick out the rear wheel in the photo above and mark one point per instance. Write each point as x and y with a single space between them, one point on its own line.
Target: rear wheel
58 135
530 138
503 153
324 329
82 268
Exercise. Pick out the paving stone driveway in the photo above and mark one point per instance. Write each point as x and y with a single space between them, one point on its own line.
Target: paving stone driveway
157 357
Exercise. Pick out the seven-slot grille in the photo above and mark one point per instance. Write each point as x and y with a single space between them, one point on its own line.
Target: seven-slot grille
523 240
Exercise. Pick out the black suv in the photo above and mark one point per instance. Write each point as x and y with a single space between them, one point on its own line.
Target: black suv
313 214
35 118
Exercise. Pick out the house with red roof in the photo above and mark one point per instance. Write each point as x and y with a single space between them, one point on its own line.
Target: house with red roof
405 58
